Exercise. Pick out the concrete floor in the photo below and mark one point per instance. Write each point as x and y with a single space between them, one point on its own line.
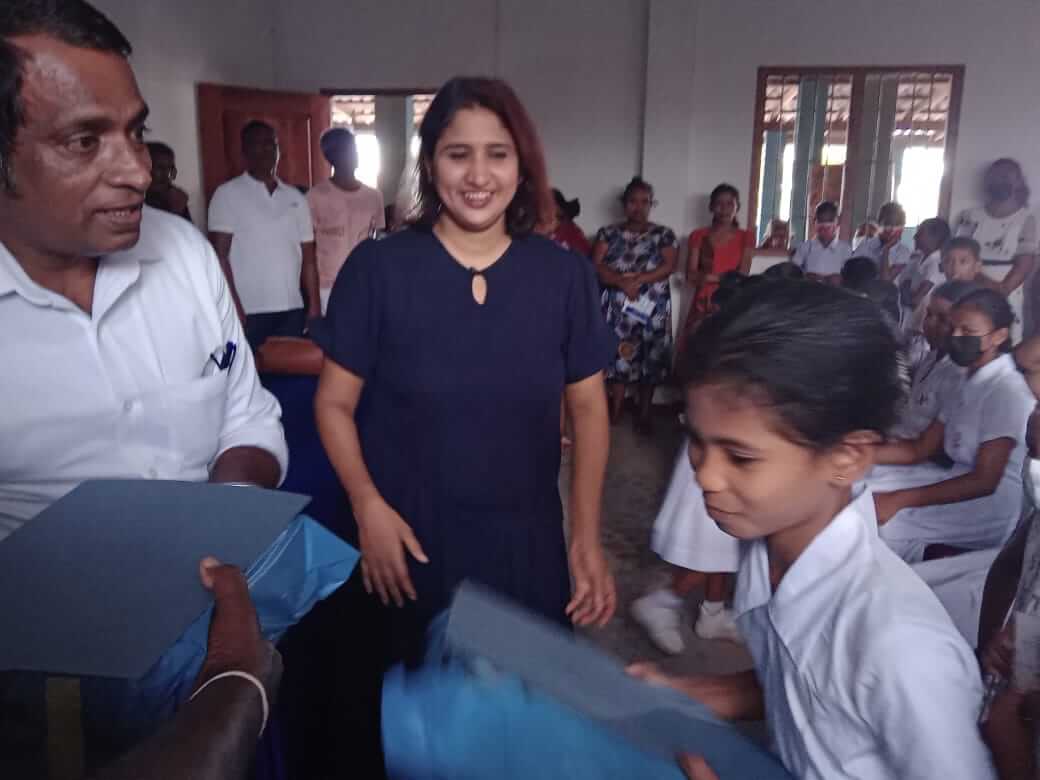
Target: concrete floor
637 477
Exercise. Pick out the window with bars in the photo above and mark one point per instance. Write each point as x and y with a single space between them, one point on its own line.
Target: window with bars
857 136
357 112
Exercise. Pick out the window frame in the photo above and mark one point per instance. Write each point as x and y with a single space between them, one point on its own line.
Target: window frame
859 75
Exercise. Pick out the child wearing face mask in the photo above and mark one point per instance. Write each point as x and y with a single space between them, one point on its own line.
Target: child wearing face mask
975 504
822 256
858 672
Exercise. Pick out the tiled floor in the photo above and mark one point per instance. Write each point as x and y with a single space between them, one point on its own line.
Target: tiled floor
636 480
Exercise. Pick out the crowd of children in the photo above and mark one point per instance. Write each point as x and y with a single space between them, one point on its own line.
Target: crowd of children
839 431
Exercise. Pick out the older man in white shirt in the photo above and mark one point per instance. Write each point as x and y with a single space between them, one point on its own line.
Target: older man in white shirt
123 356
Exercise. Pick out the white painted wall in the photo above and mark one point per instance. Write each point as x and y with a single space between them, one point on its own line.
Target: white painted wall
998 42
616 86
178 43
578 66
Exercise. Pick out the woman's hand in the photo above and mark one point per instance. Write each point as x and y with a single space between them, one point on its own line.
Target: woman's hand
886 505
630 286
594 599
384 538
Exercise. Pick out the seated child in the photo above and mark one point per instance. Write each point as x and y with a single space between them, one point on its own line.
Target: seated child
975 504
962 260
823 255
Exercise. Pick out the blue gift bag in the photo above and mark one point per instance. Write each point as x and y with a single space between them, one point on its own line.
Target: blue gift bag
470 716
305 564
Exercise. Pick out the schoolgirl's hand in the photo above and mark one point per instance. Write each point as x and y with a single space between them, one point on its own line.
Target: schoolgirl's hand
886 505
999 655
384 538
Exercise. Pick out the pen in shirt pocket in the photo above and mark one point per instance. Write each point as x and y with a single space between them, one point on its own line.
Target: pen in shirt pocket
221 359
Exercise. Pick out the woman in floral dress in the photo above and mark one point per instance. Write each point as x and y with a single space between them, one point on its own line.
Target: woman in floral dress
634 260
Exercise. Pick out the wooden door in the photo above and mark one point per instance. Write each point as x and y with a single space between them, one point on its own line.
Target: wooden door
299 119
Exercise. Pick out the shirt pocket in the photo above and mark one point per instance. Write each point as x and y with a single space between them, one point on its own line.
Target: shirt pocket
193 414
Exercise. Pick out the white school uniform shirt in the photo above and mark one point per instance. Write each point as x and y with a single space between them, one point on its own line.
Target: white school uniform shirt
921 270
936 383
127 391
873 248
268 230
993 403
864 674
815 258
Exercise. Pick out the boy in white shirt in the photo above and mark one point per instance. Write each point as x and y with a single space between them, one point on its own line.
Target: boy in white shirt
822 256
345 211
886 248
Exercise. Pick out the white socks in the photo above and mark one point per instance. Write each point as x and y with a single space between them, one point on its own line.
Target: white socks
665 597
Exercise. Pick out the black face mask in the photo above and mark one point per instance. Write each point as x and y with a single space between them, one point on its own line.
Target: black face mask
1000 191
965 350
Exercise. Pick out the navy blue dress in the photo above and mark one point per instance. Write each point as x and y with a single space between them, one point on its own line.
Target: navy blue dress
459 418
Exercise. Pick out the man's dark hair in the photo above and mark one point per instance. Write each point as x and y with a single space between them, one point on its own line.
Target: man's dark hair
252 127
70 21
826 211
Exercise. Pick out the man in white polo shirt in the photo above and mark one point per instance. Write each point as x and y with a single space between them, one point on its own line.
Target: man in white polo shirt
262 230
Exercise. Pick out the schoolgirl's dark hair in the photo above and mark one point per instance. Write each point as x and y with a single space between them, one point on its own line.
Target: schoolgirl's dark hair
820 358
856 272
785 270
994 306
955 290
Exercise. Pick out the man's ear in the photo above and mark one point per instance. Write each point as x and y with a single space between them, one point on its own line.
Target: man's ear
852 457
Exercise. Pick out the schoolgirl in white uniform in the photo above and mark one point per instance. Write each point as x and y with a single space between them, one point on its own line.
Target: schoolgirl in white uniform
976 503
858 670
937 379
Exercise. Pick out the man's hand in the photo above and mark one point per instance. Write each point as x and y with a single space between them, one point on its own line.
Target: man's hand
235 641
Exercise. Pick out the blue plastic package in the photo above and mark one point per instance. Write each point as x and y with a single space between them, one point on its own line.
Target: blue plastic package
305 564
470 716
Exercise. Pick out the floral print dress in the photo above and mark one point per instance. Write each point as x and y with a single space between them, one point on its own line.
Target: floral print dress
645 344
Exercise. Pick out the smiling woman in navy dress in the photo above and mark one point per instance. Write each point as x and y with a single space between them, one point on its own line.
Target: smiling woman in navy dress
449 346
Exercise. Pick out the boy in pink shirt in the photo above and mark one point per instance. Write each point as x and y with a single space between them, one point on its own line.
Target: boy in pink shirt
345 211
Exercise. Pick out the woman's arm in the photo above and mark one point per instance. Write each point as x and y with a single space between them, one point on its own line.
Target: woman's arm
990 462
669 261
695 259
594 597
607 276
1021 267
384 534
906 452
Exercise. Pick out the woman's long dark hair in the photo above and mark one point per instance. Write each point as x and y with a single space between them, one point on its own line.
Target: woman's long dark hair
532 207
